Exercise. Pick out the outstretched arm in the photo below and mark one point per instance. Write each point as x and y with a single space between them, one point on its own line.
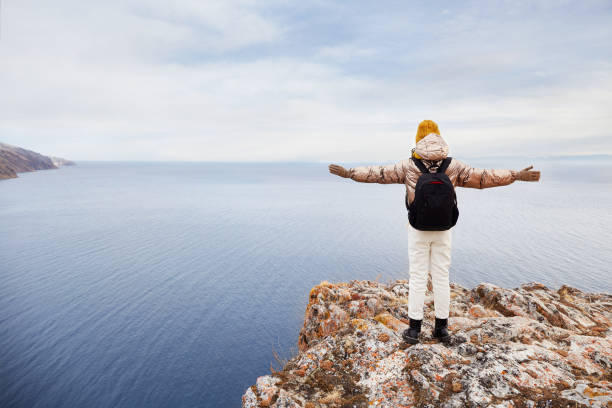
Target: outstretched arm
484 178
392 173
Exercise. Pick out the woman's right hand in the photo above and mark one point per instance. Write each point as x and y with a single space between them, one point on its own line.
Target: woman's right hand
338 170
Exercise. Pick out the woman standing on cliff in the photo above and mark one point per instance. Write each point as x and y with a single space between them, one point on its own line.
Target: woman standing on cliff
429 250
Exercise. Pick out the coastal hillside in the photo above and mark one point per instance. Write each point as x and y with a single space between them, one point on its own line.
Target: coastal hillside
525 347
15 160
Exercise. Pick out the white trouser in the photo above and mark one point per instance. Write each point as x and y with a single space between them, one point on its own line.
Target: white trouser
429 252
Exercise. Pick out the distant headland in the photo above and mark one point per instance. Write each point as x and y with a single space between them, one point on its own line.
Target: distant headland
15 160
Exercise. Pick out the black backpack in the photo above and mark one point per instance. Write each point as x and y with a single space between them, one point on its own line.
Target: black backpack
434 207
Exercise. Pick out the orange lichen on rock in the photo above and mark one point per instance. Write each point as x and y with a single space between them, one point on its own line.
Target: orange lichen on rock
390 321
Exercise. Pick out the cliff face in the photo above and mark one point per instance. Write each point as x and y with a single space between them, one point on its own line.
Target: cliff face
524 347
15 160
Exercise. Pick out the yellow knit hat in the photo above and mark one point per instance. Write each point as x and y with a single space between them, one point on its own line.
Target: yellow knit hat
425 127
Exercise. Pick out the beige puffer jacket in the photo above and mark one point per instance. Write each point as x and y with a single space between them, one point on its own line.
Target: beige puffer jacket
432 149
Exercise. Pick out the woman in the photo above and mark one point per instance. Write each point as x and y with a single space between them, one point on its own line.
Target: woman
430 251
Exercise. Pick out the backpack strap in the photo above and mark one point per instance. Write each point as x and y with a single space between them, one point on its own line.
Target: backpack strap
420 165
444 165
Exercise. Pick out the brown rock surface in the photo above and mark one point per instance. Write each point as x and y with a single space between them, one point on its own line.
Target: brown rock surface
525 347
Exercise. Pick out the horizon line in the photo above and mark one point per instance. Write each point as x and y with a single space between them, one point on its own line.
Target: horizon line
548 157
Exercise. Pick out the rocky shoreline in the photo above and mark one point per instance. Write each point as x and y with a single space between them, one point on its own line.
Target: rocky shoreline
15 160
525 347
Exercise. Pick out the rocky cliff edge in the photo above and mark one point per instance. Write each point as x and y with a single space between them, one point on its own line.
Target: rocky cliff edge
525 347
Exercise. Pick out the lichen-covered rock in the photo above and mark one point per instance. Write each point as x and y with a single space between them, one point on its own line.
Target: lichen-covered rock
525 347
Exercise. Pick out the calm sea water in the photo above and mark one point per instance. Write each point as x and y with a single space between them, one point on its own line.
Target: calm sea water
170 285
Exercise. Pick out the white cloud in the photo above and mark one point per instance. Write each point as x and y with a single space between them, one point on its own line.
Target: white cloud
346 52
155 81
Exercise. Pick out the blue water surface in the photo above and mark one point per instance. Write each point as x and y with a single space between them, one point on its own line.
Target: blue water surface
171 284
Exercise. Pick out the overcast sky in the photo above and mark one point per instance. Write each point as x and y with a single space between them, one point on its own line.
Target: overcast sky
306 80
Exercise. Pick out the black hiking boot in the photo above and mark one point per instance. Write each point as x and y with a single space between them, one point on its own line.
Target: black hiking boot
411 334
440 330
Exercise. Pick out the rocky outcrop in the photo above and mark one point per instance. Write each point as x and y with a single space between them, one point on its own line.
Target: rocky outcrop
6 171
59 162
15 160
525 347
